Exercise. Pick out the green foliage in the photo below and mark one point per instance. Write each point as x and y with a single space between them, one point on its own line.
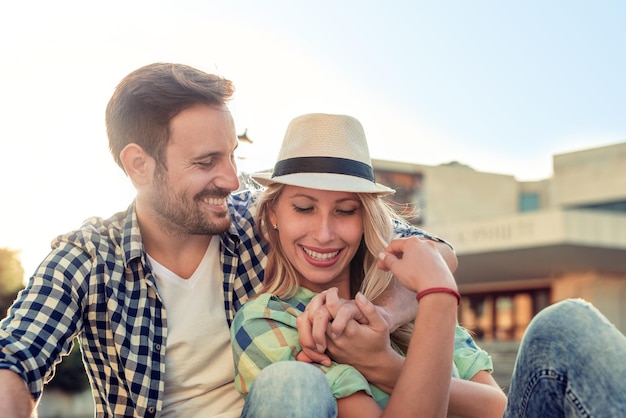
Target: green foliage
70 375
11 278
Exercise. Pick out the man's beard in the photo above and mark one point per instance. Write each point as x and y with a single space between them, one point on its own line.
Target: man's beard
184 216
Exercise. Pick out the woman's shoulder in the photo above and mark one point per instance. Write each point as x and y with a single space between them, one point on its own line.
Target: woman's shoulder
268 306
257 304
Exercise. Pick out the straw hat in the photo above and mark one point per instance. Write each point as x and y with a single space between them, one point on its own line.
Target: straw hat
326 152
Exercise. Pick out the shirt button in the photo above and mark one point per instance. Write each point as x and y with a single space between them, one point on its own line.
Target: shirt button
157 347
151 410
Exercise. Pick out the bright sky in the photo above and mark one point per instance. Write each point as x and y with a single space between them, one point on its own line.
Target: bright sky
500 86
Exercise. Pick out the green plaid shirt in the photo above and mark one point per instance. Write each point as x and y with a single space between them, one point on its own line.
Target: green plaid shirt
264 331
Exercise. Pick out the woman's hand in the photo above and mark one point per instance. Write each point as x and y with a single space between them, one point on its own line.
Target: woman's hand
417 264
326 316
361 341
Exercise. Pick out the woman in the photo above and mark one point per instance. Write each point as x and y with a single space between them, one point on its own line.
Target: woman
328 227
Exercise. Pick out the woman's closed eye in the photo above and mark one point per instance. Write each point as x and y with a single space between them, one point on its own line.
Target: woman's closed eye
302 209
308 209
346 212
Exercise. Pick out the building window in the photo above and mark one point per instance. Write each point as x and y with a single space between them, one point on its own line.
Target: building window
408 199
501 316
619 206
529 202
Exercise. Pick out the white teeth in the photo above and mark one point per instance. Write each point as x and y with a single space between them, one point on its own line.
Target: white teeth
320 256
213 201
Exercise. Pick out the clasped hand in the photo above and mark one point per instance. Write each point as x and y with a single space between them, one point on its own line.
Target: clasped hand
356 331
349 331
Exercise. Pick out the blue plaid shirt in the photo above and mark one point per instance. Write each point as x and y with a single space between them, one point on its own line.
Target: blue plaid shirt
97 284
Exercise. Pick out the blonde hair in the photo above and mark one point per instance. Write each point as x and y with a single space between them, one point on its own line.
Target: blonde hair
282 279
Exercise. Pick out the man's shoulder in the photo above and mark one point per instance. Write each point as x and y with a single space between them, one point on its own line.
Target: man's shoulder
97 231
243 199
242 207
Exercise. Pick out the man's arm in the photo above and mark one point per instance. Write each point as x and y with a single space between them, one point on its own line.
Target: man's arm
14 396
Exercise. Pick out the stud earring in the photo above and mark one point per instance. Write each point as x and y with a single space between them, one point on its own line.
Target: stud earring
274 226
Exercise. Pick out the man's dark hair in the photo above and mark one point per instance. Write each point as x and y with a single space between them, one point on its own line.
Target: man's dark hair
147 99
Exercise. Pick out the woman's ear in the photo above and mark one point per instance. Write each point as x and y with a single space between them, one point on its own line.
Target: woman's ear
139 166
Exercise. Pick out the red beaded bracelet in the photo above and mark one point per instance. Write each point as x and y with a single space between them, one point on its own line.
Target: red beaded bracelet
440 290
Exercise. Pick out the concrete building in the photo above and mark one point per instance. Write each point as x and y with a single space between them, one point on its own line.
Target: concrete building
524 245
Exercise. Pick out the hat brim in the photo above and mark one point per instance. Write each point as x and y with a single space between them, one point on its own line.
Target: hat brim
324 181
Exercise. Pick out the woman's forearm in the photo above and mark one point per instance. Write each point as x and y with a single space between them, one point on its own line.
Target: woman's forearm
397 304
424 383
384 371
477 398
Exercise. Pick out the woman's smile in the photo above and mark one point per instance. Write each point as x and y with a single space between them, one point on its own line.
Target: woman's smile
321 258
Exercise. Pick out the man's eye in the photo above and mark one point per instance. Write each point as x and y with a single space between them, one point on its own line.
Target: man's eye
206 164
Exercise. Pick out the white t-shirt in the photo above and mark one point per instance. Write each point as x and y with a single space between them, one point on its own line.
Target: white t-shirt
199 371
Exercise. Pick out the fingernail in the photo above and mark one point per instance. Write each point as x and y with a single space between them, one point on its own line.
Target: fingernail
319 347
326 363
381 255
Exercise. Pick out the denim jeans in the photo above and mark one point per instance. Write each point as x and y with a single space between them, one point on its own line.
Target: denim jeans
571 363
290 389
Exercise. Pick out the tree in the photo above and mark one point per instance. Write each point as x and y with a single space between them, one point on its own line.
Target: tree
11 278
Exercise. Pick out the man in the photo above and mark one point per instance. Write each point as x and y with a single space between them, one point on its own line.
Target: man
147 290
